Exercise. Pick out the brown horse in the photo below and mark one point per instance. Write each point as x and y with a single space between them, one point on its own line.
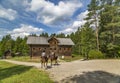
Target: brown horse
44 61
53 58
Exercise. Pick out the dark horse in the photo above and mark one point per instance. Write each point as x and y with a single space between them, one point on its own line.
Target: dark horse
44 61
53 57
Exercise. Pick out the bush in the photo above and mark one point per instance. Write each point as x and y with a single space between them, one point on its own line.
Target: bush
94 54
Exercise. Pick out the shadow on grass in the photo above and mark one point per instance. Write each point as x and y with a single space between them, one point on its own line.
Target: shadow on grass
93 77
14 70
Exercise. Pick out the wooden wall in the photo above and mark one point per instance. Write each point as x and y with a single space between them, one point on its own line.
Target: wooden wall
36 50
64 50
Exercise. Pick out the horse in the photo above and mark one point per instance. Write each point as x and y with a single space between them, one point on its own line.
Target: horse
52 58
44 61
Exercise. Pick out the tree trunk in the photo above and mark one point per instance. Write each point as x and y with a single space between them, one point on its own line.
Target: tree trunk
97 38
97 30
113 35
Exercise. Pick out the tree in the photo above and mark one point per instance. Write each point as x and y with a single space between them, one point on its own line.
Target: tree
6 44
110 28
87 41
61 35
44 34
18 47
93 18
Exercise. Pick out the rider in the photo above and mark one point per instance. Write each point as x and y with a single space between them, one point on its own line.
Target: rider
43 53
52 53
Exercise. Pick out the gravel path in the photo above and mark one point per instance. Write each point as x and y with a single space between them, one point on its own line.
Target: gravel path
91 71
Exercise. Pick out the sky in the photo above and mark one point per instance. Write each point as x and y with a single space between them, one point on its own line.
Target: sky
25 17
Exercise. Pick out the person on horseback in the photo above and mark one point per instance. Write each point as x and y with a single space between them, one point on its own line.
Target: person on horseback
43 53
44 59
53 57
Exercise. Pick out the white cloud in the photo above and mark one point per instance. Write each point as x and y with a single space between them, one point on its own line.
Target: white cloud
82 15
25 30
77 23
67 31
49 13
9 14
80 19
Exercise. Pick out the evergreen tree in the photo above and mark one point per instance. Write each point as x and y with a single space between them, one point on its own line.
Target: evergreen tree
61 35
110 28
44 34
93 18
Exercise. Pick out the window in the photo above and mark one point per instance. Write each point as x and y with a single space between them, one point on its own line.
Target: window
33 48
68 48
59 48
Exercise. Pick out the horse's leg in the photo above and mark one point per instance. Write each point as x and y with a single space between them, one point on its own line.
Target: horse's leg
55 62
46 65
41 64
51 62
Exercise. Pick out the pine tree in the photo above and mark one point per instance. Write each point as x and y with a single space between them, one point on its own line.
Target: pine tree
93 18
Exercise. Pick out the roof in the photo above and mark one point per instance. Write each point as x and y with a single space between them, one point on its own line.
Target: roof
44 41
65 41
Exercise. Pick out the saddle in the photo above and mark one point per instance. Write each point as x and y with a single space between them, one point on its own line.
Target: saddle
44 58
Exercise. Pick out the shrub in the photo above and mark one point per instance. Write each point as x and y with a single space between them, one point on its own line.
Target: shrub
95 54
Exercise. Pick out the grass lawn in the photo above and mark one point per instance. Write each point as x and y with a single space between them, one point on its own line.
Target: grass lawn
69 59
11 73
37 60
26 59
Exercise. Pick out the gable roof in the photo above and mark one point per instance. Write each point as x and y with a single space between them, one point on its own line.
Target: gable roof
44 41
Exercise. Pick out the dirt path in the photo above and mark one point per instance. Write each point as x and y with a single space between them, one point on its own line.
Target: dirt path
91 71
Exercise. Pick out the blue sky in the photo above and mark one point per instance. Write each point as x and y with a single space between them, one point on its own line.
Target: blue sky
24 17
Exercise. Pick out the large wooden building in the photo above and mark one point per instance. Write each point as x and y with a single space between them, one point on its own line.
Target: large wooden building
60 46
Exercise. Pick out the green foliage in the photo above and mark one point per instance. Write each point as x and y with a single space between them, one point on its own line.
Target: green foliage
0 54
10 73
105 16
18 45
100 32
110 28
61 35
95 54
44 34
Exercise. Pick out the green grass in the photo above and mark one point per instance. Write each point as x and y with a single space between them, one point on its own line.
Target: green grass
75 57
26 59
10 73
37 59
